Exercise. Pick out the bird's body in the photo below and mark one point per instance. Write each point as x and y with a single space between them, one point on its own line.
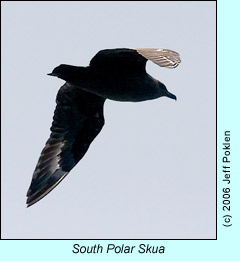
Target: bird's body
117 74
119 87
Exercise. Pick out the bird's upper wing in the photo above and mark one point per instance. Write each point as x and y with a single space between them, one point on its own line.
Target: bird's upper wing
162 57
133 60
78 118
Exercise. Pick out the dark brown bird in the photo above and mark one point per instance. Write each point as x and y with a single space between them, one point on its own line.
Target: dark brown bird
116 74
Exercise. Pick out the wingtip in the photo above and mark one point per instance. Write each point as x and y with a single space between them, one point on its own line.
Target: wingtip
29 203
32 201
162 57
33 198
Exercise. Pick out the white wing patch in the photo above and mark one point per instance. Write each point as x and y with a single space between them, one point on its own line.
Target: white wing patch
51 151
162 57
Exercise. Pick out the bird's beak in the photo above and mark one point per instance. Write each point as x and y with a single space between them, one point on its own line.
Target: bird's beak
52 74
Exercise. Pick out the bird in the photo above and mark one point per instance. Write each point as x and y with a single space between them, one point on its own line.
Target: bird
116 74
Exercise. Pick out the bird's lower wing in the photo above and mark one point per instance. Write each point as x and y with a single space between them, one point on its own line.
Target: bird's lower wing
78 118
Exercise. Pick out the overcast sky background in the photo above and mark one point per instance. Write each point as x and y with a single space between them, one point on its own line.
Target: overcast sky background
150 173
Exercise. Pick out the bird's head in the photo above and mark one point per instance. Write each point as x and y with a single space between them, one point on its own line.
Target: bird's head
64 71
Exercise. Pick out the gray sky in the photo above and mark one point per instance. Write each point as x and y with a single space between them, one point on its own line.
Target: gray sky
151 171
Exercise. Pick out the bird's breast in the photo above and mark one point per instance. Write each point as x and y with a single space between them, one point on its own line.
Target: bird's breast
121 87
